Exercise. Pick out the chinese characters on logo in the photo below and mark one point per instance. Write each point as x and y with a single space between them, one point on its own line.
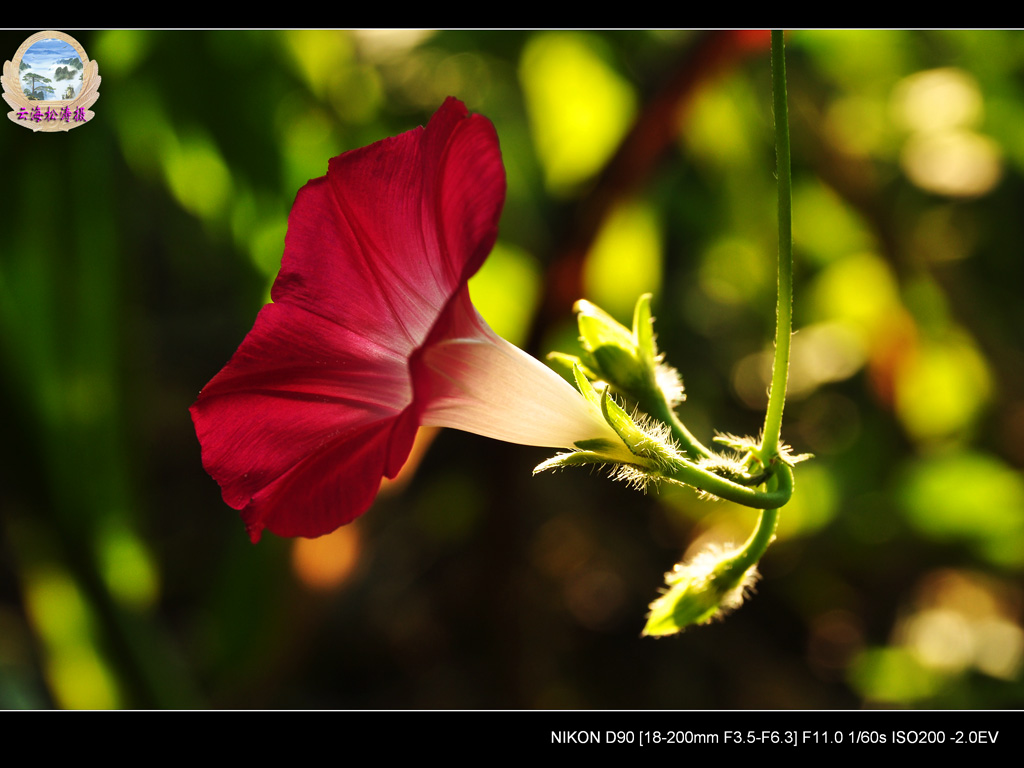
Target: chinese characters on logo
51 83
65 115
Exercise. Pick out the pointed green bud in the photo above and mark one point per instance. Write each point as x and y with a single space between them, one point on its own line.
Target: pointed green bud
706 588
611 349
627 359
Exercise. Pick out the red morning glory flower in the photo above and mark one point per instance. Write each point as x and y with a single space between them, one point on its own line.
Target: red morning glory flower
372 333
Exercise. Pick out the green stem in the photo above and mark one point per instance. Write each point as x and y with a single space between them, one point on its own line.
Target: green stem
781 483
733 569
687 473
751 552
653 403
784 307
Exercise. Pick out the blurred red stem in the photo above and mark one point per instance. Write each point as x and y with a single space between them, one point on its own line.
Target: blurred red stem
653 133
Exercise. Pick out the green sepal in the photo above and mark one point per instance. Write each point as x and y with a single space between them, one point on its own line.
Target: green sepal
620 368
572 459
562 360
634 438
643 329
585 387
653 452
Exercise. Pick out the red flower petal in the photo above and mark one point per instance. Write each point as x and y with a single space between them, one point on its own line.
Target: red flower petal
316 406
300 387
388 236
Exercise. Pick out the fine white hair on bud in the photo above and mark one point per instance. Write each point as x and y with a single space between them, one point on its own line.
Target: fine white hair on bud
669 382
704 562
741 445
726 465
633 476
636 477
652 452
787 457
745 445
660 434
699 591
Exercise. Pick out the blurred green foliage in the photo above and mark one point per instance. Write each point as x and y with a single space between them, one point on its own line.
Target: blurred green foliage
138 248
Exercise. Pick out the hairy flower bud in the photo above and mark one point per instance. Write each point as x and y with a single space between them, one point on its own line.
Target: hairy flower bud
611 349
706 588
626 359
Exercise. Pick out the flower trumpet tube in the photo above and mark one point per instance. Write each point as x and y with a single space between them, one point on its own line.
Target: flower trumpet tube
372 333
470 378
